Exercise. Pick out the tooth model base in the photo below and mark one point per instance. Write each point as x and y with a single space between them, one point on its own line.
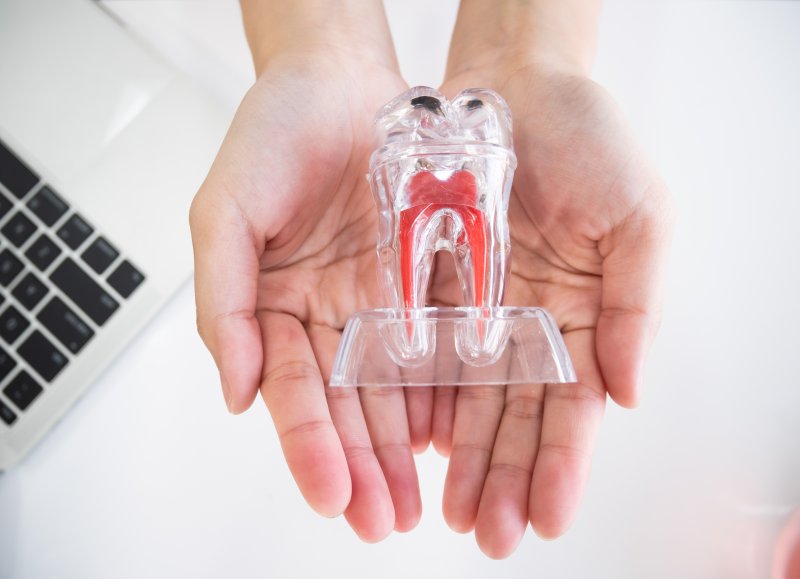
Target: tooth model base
441 177
527 342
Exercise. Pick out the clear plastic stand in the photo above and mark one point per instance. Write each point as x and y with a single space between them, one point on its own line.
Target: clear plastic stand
441 177
514 346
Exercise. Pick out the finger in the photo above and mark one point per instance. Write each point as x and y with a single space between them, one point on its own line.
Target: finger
226 278
634 263
503 511
477 416
448 370
571 419
293 391
419 405
385 413
419 408
444 411
370 512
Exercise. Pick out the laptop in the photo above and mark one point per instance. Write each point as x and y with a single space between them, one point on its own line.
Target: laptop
102 146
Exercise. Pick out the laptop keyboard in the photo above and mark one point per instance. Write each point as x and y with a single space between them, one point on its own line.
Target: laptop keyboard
60 282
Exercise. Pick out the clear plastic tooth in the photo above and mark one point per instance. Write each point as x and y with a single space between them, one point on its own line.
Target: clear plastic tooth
441 175
442 180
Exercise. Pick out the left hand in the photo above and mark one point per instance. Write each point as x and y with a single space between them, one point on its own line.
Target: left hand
590 224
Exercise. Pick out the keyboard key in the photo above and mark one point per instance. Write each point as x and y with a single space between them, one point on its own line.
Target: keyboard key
42 355
65 325
84 291
6 414
18 229
15 174
100 254
5 205
10 267
42 252
7 363
12 324
22 390
125 279
47 205
30 291
75 231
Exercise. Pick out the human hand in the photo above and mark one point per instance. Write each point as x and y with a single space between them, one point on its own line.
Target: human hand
590 223
284 231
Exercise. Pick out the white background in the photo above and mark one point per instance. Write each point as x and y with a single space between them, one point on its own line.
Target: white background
148 476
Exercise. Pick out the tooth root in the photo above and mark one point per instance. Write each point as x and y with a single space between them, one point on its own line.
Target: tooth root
425 229
443 214
471 256
417 248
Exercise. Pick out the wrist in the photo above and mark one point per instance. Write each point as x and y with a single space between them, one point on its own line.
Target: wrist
501 37
347 29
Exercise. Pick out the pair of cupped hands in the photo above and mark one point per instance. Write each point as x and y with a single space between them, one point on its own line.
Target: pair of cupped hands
284 231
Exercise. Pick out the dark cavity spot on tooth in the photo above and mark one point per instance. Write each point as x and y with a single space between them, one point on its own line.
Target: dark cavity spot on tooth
428 102
474 104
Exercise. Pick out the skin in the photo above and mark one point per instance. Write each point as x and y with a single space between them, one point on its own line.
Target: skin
589 223
786 554
284 232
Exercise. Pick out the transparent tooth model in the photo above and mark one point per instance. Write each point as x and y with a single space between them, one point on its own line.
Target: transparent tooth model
441 177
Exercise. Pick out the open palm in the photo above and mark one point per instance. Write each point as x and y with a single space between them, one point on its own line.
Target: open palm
589 223
284 231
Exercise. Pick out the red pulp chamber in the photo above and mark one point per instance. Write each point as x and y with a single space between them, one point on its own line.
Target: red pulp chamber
428 195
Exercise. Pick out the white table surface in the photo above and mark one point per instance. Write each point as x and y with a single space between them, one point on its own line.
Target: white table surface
149 476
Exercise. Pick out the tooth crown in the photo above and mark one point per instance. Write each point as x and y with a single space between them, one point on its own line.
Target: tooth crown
441 176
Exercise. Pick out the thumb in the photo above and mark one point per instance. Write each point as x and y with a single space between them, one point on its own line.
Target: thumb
634 262
226 281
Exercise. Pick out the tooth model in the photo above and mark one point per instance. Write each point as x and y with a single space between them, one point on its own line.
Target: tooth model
441 176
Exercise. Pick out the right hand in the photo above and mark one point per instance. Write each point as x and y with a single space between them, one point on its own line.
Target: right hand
284 231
